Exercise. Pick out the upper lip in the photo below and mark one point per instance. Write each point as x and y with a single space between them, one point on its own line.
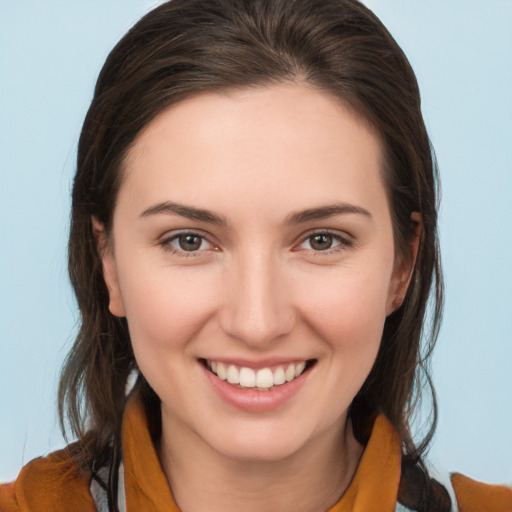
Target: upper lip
258 364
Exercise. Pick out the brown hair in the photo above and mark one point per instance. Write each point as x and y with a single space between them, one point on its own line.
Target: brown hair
185 47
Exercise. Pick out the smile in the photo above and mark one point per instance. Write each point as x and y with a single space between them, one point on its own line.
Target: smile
263 379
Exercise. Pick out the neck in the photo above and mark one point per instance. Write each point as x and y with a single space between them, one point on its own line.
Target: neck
312 479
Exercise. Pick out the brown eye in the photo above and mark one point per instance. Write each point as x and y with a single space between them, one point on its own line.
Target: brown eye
326 242
190 242
321 242
187 243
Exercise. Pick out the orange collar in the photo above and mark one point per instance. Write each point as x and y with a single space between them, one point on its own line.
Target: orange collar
375 482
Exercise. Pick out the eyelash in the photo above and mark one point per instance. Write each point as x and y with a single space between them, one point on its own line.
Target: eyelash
343 243
166 244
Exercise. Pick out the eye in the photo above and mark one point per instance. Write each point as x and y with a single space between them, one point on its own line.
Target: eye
321 242
187 242
324 242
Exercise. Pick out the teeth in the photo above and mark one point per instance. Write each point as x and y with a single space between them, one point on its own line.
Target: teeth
290 373
279 377
221 371
263 379
232 375
299 368
247 378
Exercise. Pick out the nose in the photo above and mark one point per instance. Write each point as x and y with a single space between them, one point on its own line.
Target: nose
258 308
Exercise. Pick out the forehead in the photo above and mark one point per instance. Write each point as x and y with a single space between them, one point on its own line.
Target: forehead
288 143
299 104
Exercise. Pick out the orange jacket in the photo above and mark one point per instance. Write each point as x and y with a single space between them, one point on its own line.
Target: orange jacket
54 483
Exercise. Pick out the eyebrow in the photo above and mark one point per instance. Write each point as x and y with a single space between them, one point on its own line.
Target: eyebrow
185 211
300 217
324 212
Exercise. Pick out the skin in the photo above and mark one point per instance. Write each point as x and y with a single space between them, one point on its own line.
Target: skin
255 288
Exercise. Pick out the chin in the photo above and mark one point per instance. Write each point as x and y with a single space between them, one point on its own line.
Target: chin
257 441
264 449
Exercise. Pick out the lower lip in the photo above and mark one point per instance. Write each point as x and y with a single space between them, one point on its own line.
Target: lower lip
252 400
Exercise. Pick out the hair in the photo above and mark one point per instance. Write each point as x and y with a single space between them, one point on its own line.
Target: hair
187 47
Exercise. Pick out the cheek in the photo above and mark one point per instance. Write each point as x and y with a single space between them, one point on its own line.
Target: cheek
351 305
348 315
165 307
344 315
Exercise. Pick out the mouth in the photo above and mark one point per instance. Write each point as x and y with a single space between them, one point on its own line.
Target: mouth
263 379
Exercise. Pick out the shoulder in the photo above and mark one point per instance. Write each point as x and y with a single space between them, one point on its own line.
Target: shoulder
473 496
441 492
48 483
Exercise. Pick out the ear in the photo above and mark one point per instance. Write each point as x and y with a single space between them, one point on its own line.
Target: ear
404 268
116 305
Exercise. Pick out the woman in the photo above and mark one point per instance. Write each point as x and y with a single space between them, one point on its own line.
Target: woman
254 239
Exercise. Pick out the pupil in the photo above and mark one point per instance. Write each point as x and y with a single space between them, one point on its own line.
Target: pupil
190 242
321 242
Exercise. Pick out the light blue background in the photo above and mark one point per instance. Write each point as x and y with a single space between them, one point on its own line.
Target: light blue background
50 55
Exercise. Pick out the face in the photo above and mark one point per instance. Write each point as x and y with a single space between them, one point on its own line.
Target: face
252 255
